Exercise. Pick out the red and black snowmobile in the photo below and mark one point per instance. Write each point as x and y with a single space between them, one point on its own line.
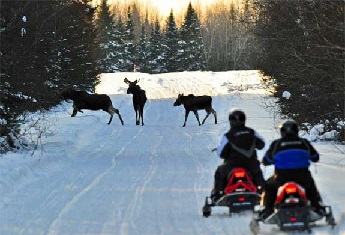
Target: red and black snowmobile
240 194
292 211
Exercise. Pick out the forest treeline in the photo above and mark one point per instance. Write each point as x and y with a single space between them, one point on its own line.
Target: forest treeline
46 46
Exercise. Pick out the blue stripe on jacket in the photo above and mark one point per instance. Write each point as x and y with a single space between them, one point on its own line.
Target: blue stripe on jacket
292 159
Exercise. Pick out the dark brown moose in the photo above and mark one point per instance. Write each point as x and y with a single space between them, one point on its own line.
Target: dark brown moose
139 100
83 100
194 103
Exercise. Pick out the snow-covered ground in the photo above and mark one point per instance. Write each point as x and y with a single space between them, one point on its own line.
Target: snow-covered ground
88 177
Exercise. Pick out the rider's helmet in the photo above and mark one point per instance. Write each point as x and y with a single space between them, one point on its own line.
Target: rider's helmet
237 117
289 127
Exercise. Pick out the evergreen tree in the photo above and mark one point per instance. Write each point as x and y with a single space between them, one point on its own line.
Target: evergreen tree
157 56
120 49
143 49
129 54
171 42
46 45
303 44
105 40
191 42
136 18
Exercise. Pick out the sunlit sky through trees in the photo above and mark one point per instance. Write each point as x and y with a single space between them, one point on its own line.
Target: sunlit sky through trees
163 6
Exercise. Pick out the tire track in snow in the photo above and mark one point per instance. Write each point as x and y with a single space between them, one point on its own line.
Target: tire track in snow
54 228
196 187
135 204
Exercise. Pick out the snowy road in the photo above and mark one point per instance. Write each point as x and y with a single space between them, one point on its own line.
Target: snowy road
91 178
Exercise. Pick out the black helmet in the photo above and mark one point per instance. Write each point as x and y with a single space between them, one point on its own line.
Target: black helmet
237 118
288 127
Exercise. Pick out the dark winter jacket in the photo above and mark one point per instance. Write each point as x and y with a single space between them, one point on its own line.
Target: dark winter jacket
290 153
238 146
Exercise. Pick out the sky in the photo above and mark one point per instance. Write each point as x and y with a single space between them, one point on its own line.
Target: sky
88 178
165 6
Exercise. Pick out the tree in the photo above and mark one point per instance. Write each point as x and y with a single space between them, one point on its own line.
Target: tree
171 42
157 56
76 38
120 62
228 35
46 46
143 49
129 55
191 43
303 51
105 40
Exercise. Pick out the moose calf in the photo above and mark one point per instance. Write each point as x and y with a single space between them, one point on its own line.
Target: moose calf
195 103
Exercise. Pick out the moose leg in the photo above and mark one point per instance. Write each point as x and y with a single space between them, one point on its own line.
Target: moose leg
197 117
137 116
111 118
75 109
215 116
118 114
141 115
111 110
207 114
208 111
185 118
74 112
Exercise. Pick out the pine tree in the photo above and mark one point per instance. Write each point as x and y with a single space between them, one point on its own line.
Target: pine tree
171 42
143 49
302 48
157 56
129 53
76 46
120 54
46 45
191 42
105 40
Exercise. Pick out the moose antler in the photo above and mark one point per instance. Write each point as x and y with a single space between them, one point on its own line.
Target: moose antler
129 82
126 81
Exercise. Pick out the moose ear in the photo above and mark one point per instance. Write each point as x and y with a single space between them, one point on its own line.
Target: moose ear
126 80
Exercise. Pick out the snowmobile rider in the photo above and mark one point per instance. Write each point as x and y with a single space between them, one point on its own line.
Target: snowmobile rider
291 156
238 149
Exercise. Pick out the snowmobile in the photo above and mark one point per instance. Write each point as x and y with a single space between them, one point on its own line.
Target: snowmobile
292 211
240 194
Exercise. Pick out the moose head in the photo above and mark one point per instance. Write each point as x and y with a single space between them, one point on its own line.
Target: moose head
131 85
178 101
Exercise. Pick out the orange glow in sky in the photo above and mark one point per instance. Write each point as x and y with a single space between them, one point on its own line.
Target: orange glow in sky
163 6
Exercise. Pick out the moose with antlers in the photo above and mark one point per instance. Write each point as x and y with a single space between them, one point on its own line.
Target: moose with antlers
139 100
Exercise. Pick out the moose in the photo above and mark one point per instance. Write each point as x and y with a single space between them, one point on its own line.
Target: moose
195 103
84 100
139 100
